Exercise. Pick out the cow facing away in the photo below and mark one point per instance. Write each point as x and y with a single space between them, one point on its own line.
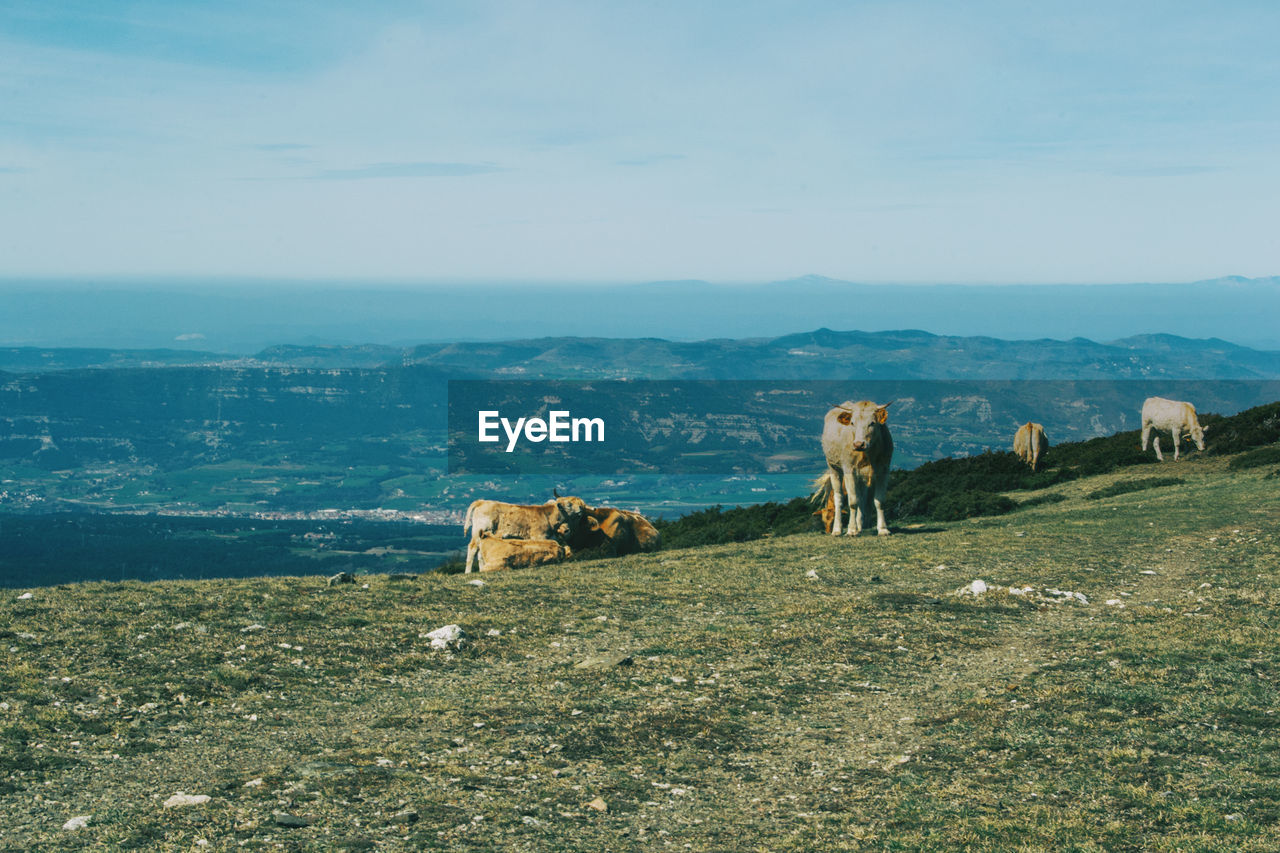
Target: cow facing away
1175 417
824 497
1029 443
618 531
498 554
858 447
556 519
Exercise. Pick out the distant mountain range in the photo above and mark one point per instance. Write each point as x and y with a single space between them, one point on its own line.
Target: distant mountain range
301 428
821 354
239 318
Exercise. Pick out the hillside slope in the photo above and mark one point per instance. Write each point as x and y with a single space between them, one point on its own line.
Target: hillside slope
761 708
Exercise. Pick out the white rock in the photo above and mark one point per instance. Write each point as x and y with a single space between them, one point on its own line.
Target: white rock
254 627
811 575
181 800
253 783
1112 602
1146 572
476 582
977 587
77 822
450 636
493 632
25 596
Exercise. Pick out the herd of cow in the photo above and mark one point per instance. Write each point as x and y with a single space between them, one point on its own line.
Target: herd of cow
858 448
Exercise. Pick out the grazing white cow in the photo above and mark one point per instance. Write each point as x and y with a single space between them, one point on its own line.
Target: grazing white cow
556 519
1174 416
858 447
1029 443
498 554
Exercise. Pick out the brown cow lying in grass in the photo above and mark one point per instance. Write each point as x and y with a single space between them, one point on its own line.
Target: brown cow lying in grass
497 554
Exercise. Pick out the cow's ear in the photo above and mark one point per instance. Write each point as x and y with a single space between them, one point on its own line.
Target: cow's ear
592 523
1204 429
844 418
882 414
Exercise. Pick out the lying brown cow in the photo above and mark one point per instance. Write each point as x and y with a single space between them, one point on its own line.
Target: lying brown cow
618 531
497 554
556 519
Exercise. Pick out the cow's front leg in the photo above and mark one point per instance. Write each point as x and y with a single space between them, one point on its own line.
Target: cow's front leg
855 503
1177 442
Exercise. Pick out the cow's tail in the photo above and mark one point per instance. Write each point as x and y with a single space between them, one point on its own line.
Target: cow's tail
821 488
471 510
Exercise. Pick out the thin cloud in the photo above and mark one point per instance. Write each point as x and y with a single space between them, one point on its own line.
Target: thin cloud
651 160
11 170
407 170
281 146
1164 171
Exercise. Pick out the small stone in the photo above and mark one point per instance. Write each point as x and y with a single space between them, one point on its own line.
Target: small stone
253 783
450 636
476 582
977 587
811 575
26 596
1234 817
254 627
342 577
405 816
290 820
493 632
181 800
77 822
604 662
598 804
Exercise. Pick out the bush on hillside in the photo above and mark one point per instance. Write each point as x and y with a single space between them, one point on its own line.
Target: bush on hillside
1124 487
1251 428
1256 458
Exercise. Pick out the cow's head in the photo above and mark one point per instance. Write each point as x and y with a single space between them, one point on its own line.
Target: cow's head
866 420
1197 435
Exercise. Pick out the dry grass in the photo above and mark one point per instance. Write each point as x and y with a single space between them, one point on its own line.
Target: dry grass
867 708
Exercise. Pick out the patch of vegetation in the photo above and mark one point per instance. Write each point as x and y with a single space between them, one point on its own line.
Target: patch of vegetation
1124 487
1255 458
1251 428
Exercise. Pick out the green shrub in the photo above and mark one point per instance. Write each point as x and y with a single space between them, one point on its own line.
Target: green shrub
1124 487
1256 458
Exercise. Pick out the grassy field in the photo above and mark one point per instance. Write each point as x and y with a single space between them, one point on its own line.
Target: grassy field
731 700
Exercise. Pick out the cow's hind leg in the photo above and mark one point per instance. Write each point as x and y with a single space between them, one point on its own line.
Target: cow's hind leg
472 549
1155 442
882 529
1146 436
837 526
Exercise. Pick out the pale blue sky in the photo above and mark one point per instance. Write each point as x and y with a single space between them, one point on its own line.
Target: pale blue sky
744 141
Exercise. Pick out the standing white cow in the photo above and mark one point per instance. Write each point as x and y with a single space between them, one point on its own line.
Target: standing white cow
1175 416
858 447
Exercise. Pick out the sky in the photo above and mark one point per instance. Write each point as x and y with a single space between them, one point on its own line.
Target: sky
907 141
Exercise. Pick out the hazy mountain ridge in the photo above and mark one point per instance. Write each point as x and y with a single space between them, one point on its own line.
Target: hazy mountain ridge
243 317
819 354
